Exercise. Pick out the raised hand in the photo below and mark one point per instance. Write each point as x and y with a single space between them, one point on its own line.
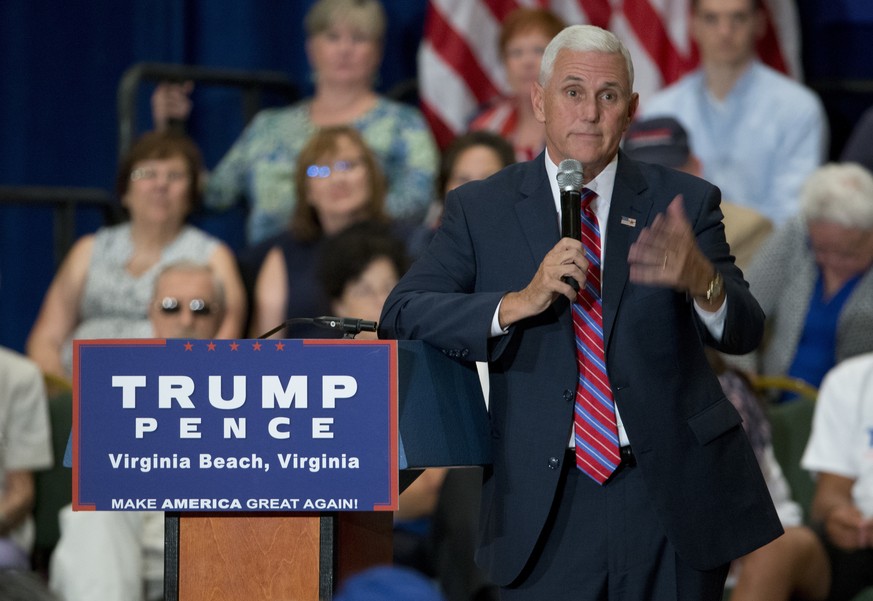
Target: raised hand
666 254
171 102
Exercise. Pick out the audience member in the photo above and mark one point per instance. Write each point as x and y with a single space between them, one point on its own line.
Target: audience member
859 146
840 452
103 287
119 555
813 279
758 134
833 560
523 37
469 157
358 268
25 446
663 141
472 156
770 572
340 183
344 47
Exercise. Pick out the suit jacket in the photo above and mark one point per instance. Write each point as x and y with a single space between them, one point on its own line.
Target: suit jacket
687 437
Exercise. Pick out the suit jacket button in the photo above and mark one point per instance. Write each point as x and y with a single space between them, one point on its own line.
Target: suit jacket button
568 395
554 463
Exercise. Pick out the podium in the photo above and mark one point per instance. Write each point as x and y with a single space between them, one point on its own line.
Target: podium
306 556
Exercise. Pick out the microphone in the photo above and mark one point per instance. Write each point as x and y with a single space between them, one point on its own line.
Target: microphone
570 184
350 326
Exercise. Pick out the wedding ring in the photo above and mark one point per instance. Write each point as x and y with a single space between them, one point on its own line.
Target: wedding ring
664 266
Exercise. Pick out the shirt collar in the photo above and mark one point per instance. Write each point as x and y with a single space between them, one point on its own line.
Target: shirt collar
603 184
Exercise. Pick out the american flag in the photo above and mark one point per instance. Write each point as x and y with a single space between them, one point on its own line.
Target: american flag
459 63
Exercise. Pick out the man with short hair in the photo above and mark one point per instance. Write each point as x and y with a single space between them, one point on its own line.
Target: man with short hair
119 555
620 470
758 134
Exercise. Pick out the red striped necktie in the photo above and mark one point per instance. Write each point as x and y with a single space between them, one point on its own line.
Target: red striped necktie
595 429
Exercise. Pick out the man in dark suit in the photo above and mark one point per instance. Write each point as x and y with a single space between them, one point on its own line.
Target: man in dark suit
686 495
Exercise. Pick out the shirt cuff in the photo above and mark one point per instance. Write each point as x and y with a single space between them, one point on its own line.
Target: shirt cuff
714 322
496 330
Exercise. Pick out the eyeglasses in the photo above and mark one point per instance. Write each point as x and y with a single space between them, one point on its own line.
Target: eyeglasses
323 171
170 305
150 173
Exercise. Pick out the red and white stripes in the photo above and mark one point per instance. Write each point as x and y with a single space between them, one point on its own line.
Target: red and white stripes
460 69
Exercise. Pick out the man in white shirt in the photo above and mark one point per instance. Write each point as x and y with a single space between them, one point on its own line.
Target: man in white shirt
757 133
119 556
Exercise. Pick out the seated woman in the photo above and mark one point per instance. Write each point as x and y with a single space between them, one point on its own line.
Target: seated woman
103 287
359 267
471 156
813 279
340 183
523 38
344 46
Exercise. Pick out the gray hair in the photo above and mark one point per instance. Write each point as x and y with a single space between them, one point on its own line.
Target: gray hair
584 38
367 16
186 266
840 193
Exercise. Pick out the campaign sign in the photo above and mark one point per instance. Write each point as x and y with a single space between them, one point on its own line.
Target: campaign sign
235 425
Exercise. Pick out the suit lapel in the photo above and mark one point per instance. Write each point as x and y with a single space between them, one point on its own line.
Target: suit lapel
536 212
628 214
538 220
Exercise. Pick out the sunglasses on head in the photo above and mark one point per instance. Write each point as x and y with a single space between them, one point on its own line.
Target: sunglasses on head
197 306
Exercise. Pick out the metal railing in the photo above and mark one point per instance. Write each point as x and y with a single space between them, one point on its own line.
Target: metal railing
251 83
64 202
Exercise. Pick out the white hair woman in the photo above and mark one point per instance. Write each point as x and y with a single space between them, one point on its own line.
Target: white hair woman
813 278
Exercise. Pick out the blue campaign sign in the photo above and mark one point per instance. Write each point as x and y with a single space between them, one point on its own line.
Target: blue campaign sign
235 425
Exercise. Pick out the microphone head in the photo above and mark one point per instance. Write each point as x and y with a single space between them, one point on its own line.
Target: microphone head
570 175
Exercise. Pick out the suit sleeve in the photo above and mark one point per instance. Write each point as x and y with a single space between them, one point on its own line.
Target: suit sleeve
744 322
437 300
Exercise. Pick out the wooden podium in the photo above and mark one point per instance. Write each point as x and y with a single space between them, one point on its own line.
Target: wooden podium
306 556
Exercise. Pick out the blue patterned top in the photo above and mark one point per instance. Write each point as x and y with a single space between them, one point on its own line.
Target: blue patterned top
260 166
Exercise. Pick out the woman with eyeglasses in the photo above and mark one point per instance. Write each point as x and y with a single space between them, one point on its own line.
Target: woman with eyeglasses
340 183
103 287
814 280
344 45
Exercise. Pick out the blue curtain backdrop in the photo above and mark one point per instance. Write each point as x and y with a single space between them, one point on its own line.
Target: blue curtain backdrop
61 63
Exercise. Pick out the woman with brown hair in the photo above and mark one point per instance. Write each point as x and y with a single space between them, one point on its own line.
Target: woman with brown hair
340 183
523 38
103 287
